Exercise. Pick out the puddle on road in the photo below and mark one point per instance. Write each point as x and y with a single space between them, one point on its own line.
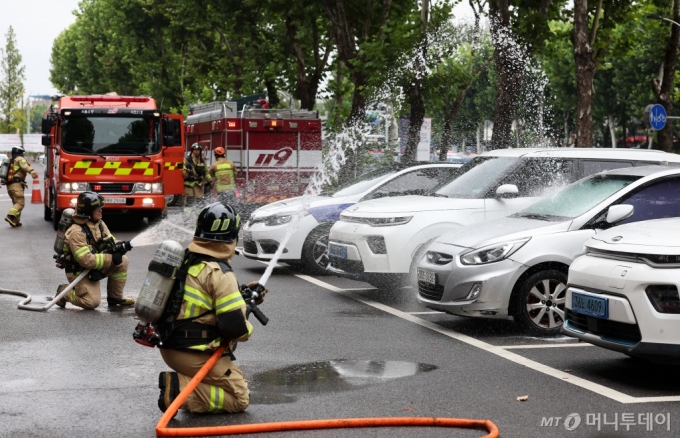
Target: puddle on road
281 386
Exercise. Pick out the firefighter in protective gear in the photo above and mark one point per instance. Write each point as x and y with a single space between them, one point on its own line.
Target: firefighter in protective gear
194 174
83 244
213 312
224 173
18 169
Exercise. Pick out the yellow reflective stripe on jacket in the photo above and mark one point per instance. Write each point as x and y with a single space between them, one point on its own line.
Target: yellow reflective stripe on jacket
98 261
228 303
204 347
195 296
196 269
216 398
81 252
224 174
119 276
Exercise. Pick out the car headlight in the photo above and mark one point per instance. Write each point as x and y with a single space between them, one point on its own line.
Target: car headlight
492 253
282 219
73 187
377 221
664 298
148 188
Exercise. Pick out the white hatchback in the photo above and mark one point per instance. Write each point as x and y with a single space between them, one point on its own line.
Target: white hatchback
378 241
308 244
623 293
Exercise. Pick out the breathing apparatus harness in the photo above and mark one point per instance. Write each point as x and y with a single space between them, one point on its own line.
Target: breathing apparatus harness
168 331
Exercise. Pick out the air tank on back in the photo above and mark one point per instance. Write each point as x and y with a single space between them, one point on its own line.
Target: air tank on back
159 281
64 224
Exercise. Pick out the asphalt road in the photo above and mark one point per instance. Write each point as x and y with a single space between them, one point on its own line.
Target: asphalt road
334 348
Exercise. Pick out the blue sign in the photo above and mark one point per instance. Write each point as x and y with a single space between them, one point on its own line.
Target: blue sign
657 117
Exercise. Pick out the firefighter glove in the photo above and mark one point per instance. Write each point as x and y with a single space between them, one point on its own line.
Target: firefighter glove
95 275
252 285
117 258
34 175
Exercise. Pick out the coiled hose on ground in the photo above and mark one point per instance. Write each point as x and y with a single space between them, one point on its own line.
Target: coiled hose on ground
23 304
163 430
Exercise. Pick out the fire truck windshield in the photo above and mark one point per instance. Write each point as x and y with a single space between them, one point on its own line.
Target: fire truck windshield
117 135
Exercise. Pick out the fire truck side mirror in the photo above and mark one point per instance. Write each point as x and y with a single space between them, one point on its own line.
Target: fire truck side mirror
171 133
46 140
46 125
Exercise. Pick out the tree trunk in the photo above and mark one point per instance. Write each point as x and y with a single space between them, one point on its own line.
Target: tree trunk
585 73
663 86
415 97
272 95
446 140
509 70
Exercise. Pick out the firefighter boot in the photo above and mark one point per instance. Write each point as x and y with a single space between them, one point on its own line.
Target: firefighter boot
168 382
123 302
62 301
12 220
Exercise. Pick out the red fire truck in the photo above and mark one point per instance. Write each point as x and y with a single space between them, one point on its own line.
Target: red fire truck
119 146
275 150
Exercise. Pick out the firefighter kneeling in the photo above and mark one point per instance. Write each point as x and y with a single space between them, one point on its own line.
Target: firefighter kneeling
211 312
84 246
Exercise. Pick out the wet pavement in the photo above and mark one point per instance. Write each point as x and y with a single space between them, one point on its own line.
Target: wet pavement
334 348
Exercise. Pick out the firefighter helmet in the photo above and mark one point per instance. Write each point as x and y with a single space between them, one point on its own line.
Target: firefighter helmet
196 146
17 151
219 222
87 203
219 151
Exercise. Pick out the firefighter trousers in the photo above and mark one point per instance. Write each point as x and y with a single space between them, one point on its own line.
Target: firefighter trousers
223 389
87 294
195 192
16 194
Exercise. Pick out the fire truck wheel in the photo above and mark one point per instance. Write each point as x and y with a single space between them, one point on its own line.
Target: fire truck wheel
48 214
171 200
56 214
315 251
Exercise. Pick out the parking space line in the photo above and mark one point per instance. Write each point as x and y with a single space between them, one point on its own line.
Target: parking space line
518 347
498 351
434 312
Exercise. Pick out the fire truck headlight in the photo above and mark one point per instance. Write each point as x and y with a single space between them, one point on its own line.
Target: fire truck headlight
73 187
148 187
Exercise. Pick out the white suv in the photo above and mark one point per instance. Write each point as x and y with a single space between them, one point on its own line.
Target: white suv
623 293
377 241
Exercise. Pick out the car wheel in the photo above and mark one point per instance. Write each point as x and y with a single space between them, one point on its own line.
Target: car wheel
171 200
56 214
540 302
315 251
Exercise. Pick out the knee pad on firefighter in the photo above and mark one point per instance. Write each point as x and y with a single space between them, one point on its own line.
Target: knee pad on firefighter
95 275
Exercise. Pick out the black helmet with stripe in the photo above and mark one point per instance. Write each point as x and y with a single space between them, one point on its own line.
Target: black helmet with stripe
87 203
219 222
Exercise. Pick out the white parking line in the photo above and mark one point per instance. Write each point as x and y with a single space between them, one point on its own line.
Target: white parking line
517 347
498 351
434 312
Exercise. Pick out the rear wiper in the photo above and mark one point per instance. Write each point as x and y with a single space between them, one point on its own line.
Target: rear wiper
89 151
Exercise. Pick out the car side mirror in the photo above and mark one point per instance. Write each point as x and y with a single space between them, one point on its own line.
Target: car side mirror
46 140
507 191
617 213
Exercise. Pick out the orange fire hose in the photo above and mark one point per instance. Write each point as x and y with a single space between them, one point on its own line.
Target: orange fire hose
163 430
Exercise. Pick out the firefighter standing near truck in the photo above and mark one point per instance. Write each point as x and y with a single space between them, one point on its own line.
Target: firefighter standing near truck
84 242
194 174
212 312
224 173
18 169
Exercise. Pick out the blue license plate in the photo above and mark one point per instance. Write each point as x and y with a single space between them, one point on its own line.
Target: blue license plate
338 251
589 305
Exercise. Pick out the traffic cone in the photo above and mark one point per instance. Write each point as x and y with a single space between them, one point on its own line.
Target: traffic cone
36 196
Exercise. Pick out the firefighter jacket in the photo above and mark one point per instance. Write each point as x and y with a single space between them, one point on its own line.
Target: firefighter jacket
212 300
194 171
224 172
18 169
82 251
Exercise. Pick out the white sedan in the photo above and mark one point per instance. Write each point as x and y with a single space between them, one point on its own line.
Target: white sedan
308 243
623 293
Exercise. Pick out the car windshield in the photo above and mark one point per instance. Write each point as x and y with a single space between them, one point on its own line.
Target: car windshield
475 177
361 184
111 135
577 198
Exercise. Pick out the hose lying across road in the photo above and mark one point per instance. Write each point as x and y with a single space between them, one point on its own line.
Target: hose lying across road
163 430
23 303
